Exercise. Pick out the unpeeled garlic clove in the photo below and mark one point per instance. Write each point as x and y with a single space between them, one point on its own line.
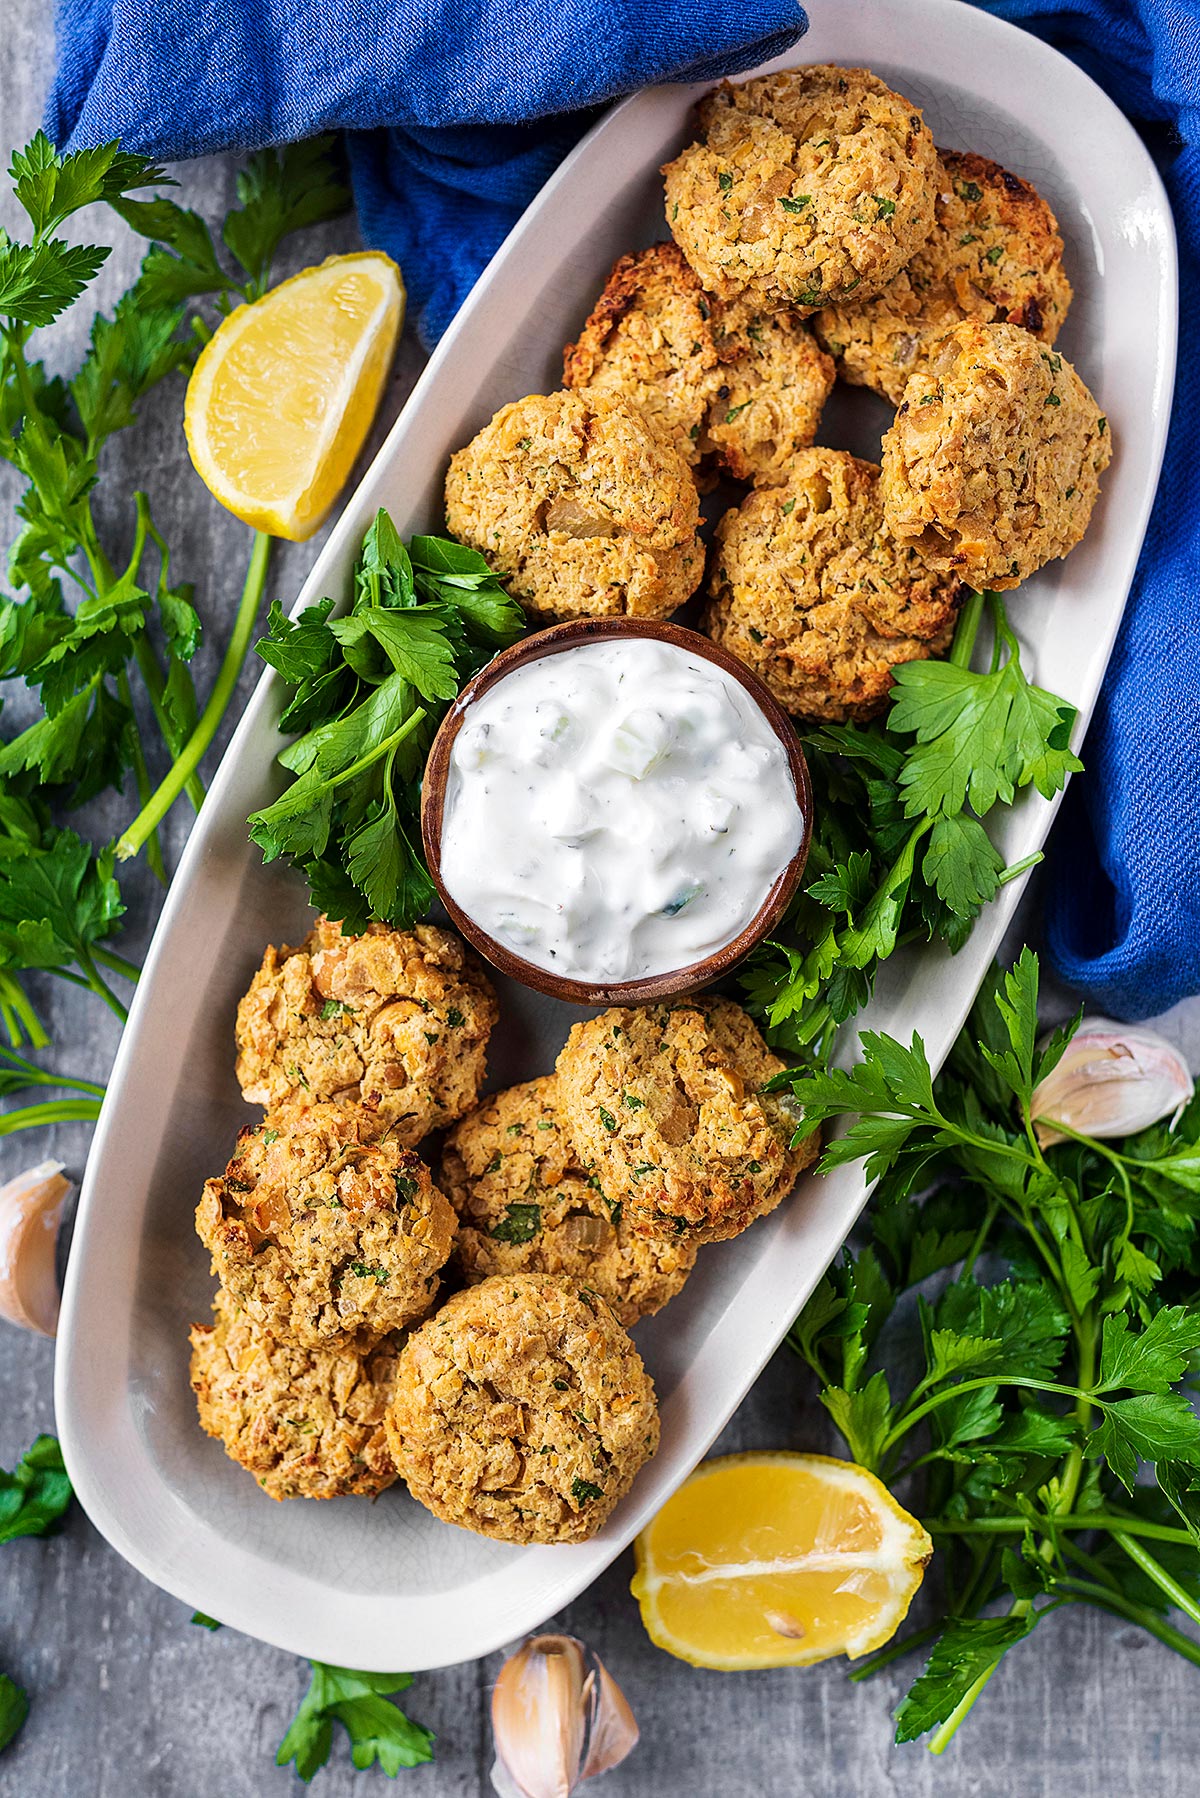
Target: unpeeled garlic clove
30 1209
558 1717
1112 1080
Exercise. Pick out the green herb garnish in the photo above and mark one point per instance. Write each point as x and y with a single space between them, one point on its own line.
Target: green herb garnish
361 1703
520 1223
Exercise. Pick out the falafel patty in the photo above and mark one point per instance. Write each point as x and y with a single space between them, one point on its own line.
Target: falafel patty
810 589
307 1423
775 381
723 380
525 1205
584 507
393 1021
993 464
995 254
522 1410
665 1106
805 187
321 1235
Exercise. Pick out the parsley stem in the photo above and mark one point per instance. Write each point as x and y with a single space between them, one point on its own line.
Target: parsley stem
966 631
1141 1557
1142 1615
117 964
36 1076
16 1004
141 774
905 1424
102 991
189 758
50 1111
1016 869
1072 1520
152 679
894 1651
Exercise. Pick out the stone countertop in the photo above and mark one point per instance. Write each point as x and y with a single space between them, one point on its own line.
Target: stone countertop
128 1700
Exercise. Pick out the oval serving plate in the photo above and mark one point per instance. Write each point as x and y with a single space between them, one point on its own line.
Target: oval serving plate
385 1586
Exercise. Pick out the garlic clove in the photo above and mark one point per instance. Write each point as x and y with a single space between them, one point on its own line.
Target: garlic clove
614 1728
558 1717
30 1209
1113 1080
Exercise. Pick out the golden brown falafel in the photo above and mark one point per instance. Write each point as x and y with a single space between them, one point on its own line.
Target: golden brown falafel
806 187
582 505
993 464
665 1105
522 1410
810 590
395 1022
995 254
775 381
526 1206
307 1423
324 1236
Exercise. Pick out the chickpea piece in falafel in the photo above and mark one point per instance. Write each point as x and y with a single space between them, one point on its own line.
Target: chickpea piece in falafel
805 187
582 505
993 464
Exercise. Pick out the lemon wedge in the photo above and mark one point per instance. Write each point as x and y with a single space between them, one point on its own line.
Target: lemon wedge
778 1560
281 400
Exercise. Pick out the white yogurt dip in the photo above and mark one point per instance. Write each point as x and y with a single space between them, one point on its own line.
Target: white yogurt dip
618 810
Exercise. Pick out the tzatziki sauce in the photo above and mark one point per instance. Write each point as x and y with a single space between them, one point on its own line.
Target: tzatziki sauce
617 810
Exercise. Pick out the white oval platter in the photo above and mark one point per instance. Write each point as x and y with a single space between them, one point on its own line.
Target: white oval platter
384 1586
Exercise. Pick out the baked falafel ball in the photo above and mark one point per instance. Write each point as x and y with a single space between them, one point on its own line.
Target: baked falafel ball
810 589
775 381
993 464
526 1206
665 1105
582 505
995 254
307 1423
805 187
725 380
651 338
323 1236
395 1022
522 1410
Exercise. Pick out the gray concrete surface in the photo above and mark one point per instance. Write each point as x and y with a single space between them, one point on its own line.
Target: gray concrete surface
130 1701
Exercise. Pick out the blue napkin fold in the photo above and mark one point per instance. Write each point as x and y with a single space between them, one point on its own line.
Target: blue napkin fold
455 118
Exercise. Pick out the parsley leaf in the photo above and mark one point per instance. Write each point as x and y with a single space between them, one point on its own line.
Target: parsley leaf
361 1703
35 1495
14 1708
520 1223
967 1650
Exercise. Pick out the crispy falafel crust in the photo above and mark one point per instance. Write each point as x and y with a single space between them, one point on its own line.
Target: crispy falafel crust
522 1410
393 1021
995 254
723 379
806 187
324 1236
810 589
993 464
526 1206
584 507
307 1423
665 1106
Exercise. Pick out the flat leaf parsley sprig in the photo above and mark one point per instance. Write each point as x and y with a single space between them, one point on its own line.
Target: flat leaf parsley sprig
899 850
99 611
370 688
1040 1392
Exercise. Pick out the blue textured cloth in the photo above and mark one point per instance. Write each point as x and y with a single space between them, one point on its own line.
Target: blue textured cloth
455 118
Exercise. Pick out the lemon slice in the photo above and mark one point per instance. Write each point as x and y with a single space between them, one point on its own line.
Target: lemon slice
778 1560
281 400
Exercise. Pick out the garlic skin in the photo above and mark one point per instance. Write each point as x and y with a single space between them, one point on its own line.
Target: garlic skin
558 1718
1113 1080
30 1209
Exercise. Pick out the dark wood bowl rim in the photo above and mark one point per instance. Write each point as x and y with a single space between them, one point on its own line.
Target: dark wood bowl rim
679 981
